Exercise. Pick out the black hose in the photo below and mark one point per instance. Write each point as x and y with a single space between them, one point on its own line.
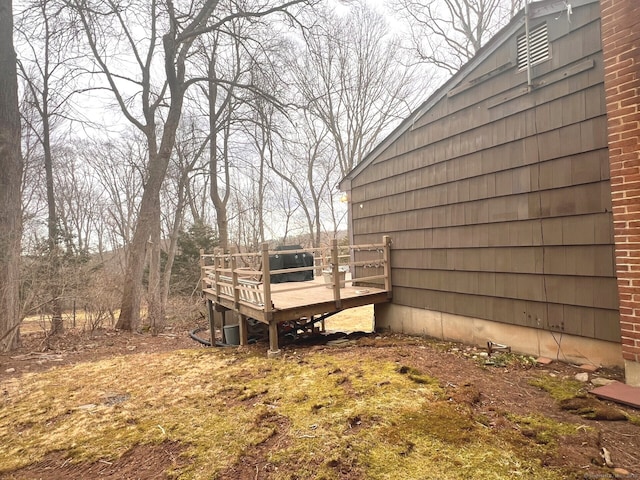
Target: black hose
193 334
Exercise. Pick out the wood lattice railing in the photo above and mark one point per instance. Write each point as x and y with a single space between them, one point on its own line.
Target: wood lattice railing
245 278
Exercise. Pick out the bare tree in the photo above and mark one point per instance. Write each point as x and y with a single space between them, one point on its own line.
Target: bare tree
281 209
137 29
10 185
228 71
314 169
263 127
77 201
118 167
352 86
447 33
222 104
48 78
185 162
351 76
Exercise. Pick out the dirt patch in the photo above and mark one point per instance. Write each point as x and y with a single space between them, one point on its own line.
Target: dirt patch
255 462
40 351
497 393
144 462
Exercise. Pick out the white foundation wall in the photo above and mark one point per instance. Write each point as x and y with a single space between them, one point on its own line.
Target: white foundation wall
477 332
632 373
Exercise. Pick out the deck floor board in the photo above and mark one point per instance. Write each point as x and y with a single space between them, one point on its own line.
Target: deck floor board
296 299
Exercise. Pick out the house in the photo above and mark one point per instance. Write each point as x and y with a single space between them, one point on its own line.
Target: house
497 195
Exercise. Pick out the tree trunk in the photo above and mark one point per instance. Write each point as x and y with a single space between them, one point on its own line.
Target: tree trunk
10 185
173 236
155 303
129 318
54 272
219 201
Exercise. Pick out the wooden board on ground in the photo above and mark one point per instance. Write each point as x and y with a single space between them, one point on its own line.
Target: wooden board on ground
620 393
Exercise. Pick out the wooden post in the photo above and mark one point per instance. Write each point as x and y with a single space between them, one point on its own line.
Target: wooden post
318 262
234 282
274 346
212 322
218 263
244 332
202 271
335 273
266 283
386 258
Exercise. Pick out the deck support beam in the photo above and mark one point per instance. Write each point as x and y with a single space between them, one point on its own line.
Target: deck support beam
274 346
212 321
244 333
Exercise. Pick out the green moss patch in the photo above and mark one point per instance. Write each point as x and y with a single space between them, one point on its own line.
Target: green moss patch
593 409
324 416
542 430
559 388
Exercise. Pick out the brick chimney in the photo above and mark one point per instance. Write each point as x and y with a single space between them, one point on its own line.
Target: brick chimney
621 52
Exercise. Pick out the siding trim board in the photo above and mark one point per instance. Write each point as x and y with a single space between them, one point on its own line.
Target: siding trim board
482 78
559 76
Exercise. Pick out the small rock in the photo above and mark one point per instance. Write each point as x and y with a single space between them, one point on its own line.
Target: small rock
582 377
588 368
483 354
378 338
621 472
10 370
601 382
131 347
544 360
606 457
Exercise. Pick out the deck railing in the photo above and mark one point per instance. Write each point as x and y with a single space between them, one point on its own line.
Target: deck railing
245 278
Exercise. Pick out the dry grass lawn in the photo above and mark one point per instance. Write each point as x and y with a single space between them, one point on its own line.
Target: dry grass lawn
371 409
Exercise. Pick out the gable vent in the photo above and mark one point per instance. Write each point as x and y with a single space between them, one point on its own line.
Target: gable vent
538 43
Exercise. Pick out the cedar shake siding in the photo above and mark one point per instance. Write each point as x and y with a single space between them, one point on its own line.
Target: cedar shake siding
496 195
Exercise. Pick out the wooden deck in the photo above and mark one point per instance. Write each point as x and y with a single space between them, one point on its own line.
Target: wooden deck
248 291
